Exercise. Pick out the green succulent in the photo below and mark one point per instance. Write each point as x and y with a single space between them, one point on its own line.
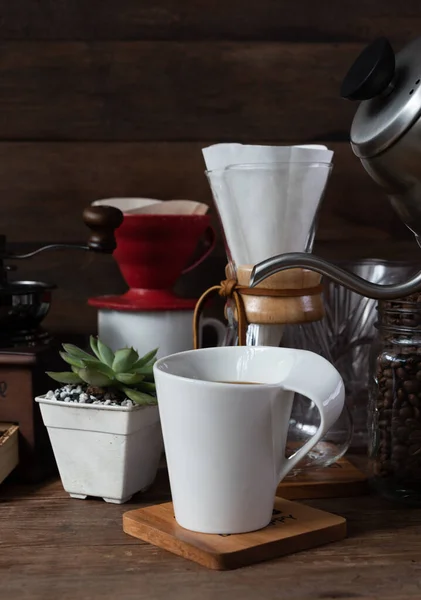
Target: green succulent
123 370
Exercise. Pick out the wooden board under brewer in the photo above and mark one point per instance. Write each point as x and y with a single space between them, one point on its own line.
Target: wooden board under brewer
9 453
294 527
340 480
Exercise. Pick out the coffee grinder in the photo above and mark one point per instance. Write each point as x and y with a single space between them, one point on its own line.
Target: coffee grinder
27 350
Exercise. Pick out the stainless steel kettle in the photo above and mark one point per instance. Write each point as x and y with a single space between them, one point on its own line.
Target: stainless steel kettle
386 136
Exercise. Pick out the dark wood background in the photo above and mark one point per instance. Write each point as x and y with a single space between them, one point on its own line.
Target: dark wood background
101 98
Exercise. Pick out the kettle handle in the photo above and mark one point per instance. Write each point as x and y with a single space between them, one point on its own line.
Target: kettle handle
353 282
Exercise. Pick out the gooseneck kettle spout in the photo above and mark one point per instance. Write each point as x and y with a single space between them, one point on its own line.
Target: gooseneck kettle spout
353 282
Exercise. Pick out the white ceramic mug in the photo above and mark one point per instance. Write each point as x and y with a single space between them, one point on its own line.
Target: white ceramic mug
224 442
171 331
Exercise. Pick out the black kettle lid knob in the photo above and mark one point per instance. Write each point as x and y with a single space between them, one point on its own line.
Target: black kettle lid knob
371 73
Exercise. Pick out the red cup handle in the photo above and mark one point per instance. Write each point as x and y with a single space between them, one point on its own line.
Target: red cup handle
210 237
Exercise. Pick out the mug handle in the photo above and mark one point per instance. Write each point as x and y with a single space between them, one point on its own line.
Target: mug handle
219 328
210 238
316 378
216 324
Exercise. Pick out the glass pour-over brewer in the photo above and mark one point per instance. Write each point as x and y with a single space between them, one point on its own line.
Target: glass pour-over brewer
267 200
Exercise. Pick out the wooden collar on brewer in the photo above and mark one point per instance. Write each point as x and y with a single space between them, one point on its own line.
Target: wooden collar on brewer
270 304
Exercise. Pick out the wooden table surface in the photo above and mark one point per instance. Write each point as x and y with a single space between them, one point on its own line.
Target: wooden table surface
56 548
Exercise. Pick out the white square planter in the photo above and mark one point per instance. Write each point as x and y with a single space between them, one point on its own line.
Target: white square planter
106 451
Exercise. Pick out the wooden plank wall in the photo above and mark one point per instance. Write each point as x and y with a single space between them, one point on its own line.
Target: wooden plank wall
107 98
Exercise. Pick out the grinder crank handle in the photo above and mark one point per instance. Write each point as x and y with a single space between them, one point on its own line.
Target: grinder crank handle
102 221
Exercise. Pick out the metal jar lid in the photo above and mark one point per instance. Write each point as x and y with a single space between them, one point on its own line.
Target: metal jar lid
389 87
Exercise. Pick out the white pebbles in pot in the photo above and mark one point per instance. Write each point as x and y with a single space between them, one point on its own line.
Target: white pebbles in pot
79 394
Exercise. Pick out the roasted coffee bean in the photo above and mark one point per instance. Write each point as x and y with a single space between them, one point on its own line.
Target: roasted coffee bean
406 413
401 373
414 400
389 395
412 386
401 394
397 404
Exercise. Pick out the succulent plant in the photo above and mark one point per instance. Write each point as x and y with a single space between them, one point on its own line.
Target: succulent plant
123 370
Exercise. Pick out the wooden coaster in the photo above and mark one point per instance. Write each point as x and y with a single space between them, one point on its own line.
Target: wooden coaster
294 527
340 480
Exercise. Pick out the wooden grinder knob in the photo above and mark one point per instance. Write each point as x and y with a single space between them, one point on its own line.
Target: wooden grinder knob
102 221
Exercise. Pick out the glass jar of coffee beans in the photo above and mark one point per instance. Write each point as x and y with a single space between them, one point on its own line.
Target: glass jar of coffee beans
395 401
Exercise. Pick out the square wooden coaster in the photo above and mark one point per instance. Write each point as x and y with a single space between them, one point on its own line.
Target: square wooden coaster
294 527
340 480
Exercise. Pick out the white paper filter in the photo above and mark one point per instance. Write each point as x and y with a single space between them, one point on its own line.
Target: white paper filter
265 212
270 209
150 206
